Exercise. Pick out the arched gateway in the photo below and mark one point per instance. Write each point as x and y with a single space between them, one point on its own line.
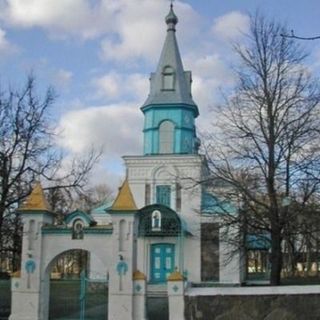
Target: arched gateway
43 242
154 232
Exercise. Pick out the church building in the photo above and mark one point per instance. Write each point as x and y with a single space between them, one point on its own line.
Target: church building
163 226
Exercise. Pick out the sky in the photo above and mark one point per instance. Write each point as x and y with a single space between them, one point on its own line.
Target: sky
98 55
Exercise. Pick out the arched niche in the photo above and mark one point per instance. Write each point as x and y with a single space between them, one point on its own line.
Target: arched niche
31 234
168 78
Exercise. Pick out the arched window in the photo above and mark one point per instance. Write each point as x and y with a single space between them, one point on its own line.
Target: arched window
166 135
168 78
77 230
156 220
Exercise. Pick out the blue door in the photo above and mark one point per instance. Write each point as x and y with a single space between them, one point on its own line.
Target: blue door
162 261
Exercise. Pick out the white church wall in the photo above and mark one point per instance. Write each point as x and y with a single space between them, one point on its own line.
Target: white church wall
172 169
229 256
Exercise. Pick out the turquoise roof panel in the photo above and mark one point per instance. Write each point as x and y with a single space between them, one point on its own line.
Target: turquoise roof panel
258 241
210 204
103 208
81 215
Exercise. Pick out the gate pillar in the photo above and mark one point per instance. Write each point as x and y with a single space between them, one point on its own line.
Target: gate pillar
176 296
30 290
139 296
123 259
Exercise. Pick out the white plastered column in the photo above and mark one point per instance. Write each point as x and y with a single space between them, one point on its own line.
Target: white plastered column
28 291
176 296
120 301
139 296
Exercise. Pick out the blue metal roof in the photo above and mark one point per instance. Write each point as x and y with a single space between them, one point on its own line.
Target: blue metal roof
170 57
103 208
258 241
210 204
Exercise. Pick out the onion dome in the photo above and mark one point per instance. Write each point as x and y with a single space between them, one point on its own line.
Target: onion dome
171 19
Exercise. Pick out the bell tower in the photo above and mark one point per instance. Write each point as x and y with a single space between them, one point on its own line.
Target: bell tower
169 111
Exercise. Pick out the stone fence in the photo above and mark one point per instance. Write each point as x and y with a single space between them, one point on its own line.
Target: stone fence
253 303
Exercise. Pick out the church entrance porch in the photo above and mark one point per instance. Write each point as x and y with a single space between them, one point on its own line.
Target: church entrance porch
162 262
160 244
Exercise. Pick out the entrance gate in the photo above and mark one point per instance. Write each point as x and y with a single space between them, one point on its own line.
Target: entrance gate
93 298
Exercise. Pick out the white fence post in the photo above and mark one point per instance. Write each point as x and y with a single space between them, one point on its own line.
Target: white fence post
139 296
176 296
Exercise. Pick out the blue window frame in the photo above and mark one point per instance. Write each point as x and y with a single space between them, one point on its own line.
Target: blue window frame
163 195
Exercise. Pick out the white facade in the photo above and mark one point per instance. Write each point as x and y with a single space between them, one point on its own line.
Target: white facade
183 170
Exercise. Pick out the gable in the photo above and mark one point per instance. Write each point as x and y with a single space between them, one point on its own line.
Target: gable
79 215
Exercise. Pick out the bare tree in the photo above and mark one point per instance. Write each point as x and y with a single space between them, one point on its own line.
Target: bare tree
265 145
293 36
63 201
28 151
93 197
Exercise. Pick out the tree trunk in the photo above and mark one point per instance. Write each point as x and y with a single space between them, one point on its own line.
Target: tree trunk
276 258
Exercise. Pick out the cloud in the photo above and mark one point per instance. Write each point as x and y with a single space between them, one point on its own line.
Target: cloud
209 73
139 32
77 17
231 25
108 173
116 128
6 47
129 29
62 78
115 86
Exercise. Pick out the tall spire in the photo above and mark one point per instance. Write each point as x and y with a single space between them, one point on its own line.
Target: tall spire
169 111
170 83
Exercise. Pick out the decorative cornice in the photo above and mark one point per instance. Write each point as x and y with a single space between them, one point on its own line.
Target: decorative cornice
177 127
170 106
65 230
164 159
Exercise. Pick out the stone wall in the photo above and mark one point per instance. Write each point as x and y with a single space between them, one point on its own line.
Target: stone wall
253 307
